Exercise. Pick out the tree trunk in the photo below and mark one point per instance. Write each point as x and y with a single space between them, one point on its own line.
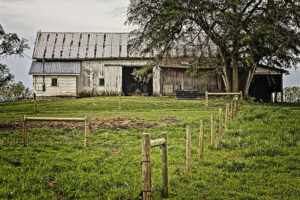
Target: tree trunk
235 75
246 78
241 84
227 76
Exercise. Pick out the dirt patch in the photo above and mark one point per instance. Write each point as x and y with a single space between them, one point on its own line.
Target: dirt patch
118 123
10 126
51 183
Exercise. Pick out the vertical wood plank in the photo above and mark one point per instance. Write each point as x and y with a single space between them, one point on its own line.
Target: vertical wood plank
206 100
201 140
146 166
24 131
226 116
164 158
86 131
188 148
220 122
213 134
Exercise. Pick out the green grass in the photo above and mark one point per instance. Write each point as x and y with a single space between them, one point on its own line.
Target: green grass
257 158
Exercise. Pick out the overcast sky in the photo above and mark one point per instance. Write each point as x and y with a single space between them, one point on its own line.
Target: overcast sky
26 17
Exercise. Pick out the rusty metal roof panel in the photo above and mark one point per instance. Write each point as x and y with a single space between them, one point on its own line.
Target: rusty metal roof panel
74 46
91 46
58 46
99 45
40 45
50 45
107 47
55 67
66 45
124 43
81 46
115 45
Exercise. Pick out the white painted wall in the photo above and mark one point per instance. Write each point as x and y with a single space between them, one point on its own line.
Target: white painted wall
66 85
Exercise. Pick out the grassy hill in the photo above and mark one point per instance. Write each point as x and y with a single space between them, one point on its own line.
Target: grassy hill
257 158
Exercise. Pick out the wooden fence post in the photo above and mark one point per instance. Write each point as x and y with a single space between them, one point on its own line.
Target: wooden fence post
146 166
206 100
34 101
226 116
164 159
241 98
120 103
236 110
24 131
188 148
220 122
201 140
213 134
232 110
86 131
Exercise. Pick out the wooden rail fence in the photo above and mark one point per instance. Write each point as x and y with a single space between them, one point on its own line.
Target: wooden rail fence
147 144
85 120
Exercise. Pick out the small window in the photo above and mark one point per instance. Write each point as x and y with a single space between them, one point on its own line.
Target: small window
101 81
54 82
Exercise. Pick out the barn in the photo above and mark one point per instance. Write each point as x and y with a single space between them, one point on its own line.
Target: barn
77 64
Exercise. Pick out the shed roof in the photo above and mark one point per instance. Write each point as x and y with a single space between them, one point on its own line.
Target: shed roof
96 45
55 67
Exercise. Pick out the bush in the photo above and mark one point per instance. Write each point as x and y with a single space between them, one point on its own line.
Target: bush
291 94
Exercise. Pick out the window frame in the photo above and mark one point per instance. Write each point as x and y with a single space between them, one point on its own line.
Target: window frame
54 78
101 82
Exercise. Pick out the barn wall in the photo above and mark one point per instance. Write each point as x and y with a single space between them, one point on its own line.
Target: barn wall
109 70
66 85
177 79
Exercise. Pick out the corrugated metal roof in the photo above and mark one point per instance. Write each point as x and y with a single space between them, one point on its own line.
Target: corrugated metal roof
55 67
91 45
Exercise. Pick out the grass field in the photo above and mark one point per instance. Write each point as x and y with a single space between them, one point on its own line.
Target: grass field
257 158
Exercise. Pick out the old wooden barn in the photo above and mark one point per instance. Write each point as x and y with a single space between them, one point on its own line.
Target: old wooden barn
90 64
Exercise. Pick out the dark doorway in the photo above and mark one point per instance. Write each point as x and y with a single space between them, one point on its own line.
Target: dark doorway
130 86
262 86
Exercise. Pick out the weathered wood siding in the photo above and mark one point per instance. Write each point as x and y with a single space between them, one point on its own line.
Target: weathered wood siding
66 85
88 83
177 79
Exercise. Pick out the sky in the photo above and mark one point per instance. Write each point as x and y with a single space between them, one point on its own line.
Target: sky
27 17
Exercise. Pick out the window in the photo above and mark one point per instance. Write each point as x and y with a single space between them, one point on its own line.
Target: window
101 81
54 82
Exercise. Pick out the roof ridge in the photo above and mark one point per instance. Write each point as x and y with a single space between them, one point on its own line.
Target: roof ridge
83 32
